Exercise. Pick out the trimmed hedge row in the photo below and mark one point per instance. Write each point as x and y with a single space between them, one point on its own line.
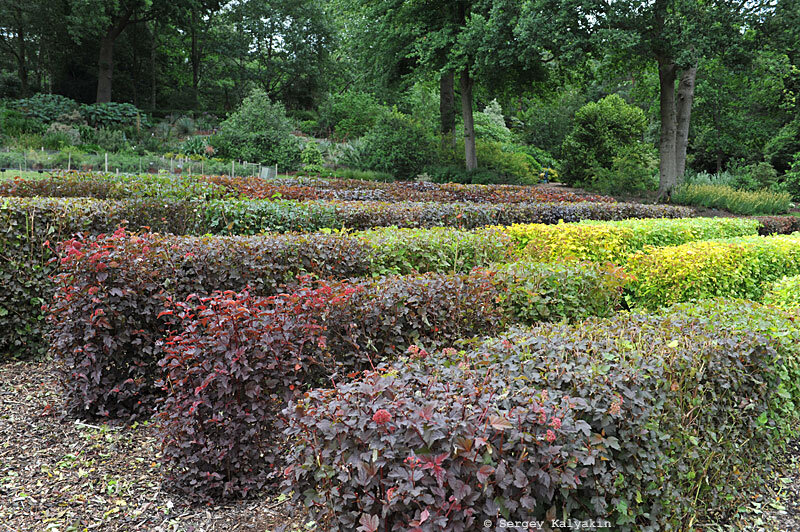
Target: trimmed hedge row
785 293
107 309
27 224
653 422
737 267
614 241
360 190
206 187
236 359
109 186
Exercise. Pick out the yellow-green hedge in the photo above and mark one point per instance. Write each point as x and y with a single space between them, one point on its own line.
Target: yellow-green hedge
785 293
615 241
737 267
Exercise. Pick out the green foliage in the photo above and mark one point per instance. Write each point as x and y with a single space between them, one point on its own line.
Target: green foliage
113 115
634 170
738 267
312 158
46 108
399 145
784 294
735 201
544 122
350 114
458 174
535 291
507 160
259 131
615 241
490 124
791 180
196 145
602 131
781 149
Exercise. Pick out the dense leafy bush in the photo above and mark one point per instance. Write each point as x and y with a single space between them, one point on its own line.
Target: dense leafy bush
784 293
259 131
791 180
603 130
490 124
735 201
737 267
220 410
397 144
635 169
646 421
615 241
106 313
778 225
533 292
113 115
458 174
46 108
350 114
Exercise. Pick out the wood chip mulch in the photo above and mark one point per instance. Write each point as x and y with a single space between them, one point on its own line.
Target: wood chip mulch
63 476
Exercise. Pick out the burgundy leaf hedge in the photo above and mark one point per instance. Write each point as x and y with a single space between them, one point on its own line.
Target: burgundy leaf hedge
653 422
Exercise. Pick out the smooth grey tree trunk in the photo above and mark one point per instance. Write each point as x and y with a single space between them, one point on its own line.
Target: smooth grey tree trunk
683 115
471 157
667 149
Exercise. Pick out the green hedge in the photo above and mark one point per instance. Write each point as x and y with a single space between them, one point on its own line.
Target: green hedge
652 422
737 267
784 293
614 241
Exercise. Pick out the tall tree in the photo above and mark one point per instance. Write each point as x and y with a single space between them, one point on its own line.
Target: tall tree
473 39
674 34
107 19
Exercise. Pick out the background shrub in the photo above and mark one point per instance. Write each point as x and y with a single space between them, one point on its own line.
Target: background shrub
350 114
399 145
259 131
602 131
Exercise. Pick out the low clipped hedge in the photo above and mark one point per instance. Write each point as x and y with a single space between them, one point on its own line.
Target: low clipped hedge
737 267
778 225
236 359
614 241
111 291
651 422
784 293
27 224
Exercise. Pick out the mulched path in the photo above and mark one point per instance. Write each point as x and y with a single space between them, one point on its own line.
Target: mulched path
64 476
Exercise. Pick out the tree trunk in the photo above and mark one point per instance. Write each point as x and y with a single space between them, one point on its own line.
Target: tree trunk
447 108
471 156
105 68
195 60
683 112
154 74
105 63
668 168
22 62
